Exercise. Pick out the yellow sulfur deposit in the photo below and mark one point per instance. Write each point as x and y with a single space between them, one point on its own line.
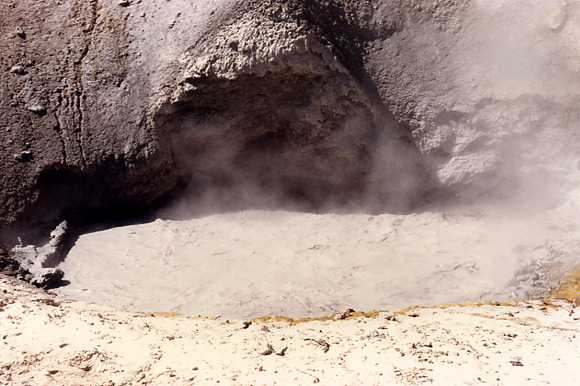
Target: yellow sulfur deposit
569 288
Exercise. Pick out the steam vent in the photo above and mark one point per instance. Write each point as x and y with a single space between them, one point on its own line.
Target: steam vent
260 192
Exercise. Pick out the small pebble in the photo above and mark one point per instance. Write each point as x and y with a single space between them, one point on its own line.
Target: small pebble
269 350
18 70
20 33
124 3
37 109
24 156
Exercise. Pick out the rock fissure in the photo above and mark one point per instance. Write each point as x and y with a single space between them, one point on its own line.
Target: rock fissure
79 73
58 129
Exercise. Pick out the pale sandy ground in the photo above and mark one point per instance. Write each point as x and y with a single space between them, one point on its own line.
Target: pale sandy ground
46 340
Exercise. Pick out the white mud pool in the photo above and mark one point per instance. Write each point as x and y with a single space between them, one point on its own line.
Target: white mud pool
253 263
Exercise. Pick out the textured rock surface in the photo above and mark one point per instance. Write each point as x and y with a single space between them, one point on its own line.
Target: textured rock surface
488 89
90 146
107 107
100 98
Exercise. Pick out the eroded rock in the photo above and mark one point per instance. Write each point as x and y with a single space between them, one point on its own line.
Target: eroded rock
387 104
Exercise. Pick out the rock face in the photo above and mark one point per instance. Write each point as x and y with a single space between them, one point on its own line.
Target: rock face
75 128
106 108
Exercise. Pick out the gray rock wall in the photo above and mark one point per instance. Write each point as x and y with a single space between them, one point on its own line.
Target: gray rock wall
74 116
107 107
488 91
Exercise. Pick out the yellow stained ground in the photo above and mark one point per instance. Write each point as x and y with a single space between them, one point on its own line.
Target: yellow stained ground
569 288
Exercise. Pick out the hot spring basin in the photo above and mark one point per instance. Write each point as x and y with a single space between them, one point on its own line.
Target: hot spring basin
254 263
